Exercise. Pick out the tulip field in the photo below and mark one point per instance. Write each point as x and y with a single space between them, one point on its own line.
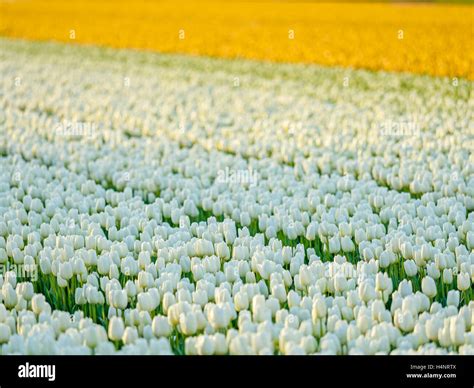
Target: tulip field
170 204
421 38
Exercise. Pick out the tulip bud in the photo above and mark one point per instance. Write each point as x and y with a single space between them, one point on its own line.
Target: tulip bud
447 276
334 245
404 321
340 283
65 270
453 298
5 333
319 310
10 297
241 301
279 292
130 335
218 318
116 328
160 326
347 245
457 331
222 250
205 345
428 286
410 267
463 281
188 323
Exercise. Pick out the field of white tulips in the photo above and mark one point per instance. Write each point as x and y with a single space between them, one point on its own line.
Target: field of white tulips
162 204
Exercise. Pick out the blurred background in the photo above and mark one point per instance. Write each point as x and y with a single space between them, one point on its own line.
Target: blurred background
433 38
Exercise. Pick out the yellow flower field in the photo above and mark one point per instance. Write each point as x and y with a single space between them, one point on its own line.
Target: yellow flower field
432 39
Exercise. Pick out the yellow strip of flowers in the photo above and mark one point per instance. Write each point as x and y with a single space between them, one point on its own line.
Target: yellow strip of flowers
420 38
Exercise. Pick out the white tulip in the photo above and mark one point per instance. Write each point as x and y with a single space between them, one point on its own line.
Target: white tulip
453 298
130 335
428 286
463 281
410 268
241 301
205 345
347 245
447 276
161 327
5 333
116 329
188 324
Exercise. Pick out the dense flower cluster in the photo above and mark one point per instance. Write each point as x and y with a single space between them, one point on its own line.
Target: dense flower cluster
376 36
175 213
